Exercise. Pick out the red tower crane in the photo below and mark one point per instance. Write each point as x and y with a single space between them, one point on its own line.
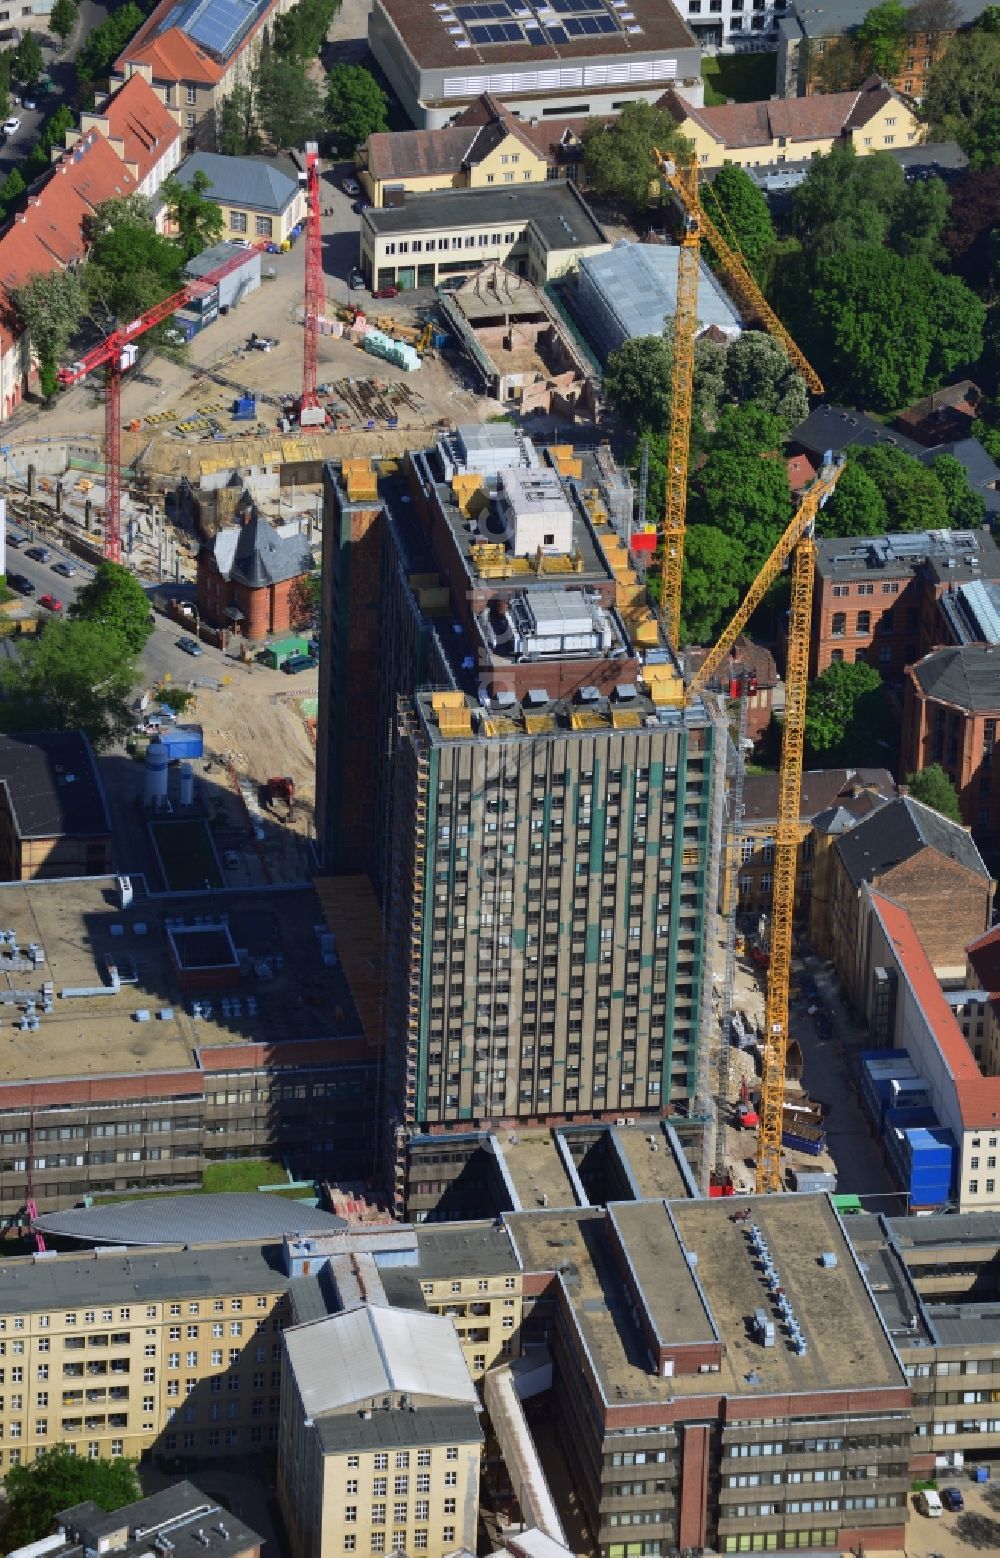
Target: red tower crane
116 354
311 413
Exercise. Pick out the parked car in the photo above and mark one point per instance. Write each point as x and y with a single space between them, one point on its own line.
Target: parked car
64 570
952 1499
351 187
190 646
11 125
296 663
386 292
18 582
239 243
360 206
928 1502
40 554
13 540
356 281
29 102
50 602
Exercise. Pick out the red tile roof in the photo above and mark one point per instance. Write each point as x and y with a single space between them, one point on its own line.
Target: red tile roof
800 471
978 1096
49 232
137 116
984 957
172 56
821 117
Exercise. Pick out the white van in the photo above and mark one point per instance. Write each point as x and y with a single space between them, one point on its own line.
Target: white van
929 1503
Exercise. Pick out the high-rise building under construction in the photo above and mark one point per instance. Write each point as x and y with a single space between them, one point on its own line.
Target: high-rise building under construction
544 802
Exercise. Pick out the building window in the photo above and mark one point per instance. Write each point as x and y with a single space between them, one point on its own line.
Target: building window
191 97
973 1187
263 226
238 221
838 626
864 623
190 120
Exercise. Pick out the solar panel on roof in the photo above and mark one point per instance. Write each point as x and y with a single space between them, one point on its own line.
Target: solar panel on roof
557 35
218 23
496 32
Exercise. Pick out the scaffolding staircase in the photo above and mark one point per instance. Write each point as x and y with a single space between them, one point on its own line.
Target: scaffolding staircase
727 1036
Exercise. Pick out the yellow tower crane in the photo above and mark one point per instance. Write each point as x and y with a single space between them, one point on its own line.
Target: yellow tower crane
796 542
682 179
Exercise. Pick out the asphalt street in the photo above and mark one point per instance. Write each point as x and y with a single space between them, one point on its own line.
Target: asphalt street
161 655
58 63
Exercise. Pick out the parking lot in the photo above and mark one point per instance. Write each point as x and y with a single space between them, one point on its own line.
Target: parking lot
975 1530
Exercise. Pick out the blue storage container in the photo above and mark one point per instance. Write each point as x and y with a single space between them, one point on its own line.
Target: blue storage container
929 1157
183 741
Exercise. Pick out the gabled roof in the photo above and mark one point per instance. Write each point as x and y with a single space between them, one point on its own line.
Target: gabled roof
947 413
49 232
353 1358
898 831
979 467
968 677
856 789
823 116
406 154
829 18
256 182
194 40
138 117
978 1097
984 956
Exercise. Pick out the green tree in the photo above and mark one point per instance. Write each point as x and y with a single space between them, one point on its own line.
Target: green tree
836 702
737 206
913 496
103 44
74 676
934 788
618 153
847 200
757 369
117 602
856 508
289 103
131 266
637 382
56 1480
965 507
748 429
28 59
50 306
300 33
842 66
746 495
356 106
62 19
919 219
236 122
199 221
882 37
12 188
887 329
714 567
962 93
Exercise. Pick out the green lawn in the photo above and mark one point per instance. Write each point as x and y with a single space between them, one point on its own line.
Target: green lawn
186 855
749 78
242 1174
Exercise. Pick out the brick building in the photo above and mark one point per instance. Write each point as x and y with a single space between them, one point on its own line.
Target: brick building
808 31
877 598
950 711
853 791
926 864
252 576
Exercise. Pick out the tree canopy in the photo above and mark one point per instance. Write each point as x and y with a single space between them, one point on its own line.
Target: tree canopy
742 487
974 227
714 566
290 105
50 306
56 1480
115 600
934 788
28 59
966 507
199 221
62 19
618 155
74 676
856 506
837 702
738 208
301 32
757 369
884 329
882 37
236 121
104 43
130 266
356 106
913 496
961 98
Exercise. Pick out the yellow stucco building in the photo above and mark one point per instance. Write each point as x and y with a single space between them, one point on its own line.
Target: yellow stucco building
766 134
485 148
